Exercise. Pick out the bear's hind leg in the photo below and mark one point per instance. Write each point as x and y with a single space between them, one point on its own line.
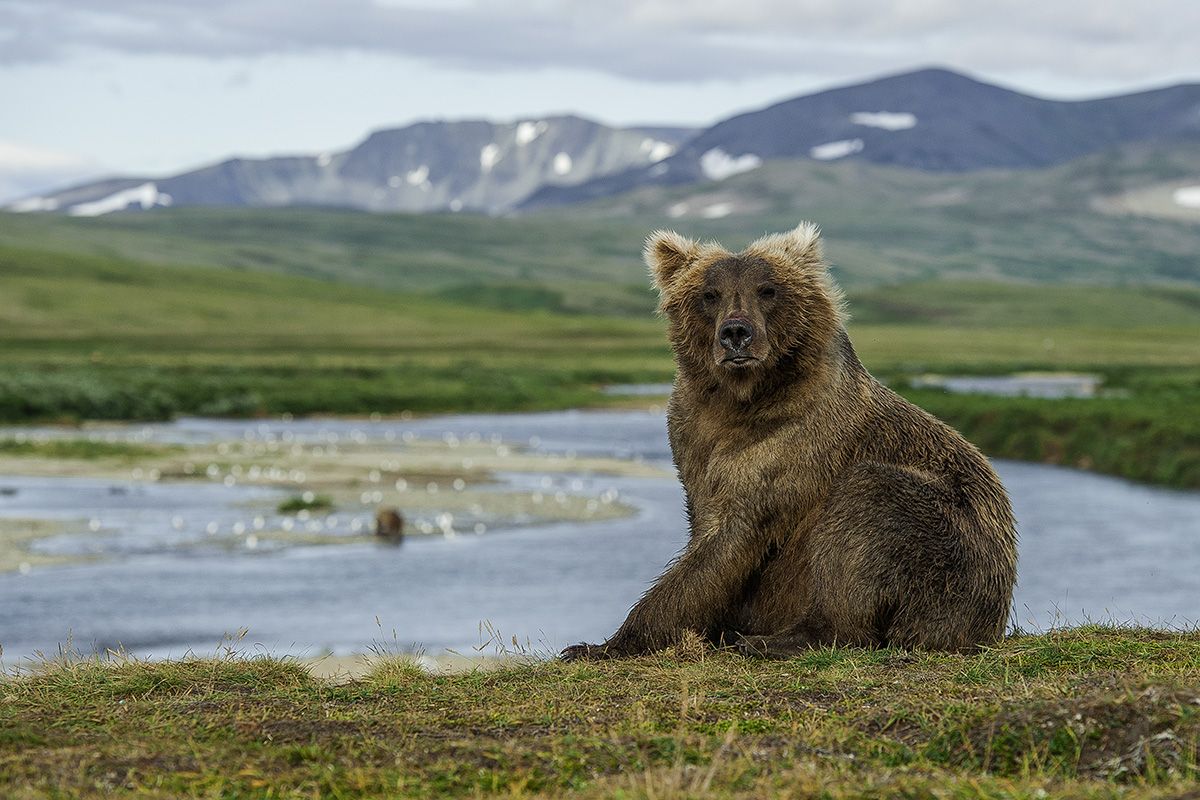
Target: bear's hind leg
792 642
883 565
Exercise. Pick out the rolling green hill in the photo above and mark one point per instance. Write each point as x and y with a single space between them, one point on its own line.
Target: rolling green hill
579 265
102 337
886 225
94 332
111 306
883 227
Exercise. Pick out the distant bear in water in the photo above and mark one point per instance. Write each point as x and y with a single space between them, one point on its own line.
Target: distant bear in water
389 525
823 508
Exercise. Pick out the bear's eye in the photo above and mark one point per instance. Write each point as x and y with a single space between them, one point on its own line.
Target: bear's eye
766 292
710 296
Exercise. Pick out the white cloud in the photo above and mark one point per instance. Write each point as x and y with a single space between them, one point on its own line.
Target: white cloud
648 39
1187 196
154 86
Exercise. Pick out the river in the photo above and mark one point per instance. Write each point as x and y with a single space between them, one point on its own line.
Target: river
1092 548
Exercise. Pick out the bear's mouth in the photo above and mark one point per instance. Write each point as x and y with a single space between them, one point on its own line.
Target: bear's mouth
738 360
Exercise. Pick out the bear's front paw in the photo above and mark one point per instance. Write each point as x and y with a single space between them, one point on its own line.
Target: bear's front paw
584 652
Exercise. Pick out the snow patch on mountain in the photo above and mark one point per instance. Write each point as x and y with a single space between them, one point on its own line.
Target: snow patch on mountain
834 150
562 164
489 156
528 131
34 204
717 165
717 210
656 150
1187 196
888 120
418 176
147 196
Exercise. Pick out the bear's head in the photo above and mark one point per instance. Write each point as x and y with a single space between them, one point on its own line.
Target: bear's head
770 311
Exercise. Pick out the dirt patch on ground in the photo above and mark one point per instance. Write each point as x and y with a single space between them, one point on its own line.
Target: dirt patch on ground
1099 733
321 730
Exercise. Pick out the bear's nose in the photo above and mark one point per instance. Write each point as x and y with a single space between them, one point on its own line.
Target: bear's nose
735 334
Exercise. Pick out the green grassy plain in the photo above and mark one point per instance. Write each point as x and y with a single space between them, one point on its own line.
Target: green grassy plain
582 265
106 338
1084 713
151 316
136 317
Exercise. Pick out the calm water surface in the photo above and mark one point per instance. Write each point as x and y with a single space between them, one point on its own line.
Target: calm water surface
1092 547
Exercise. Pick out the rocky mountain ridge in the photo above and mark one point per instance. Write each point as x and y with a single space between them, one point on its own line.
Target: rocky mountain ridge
474 166
930 120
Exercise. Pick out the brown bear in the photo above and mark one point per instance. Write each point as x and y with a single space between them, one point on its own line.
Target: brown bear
389 524
823 508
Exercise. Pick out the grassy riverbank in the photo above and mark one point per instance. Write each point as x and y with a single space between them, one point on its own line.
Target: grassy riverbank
1090 713
1150 437
91 335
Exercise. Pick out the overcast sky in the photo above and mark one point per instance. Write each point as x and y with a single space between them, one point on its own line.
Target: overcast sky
152 86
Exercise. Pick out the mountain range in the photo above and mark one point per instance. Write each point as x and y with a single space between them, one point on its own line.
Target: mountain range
472 165
931 120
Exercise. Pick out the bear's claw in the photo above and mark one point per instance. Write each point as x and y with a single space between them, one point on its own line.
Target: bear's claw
583 652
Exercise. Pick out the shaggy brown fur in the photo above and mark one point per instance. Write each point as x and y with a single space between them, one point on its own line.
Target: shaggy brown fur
824 508
389 524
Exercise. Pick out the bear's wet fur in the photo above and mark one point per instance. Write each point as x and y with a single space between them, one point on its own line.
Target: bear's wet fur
823 508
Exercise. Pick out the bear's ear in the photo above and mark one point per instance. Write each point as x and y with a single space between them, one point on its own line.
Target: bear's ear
803 243
666 253
801 246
